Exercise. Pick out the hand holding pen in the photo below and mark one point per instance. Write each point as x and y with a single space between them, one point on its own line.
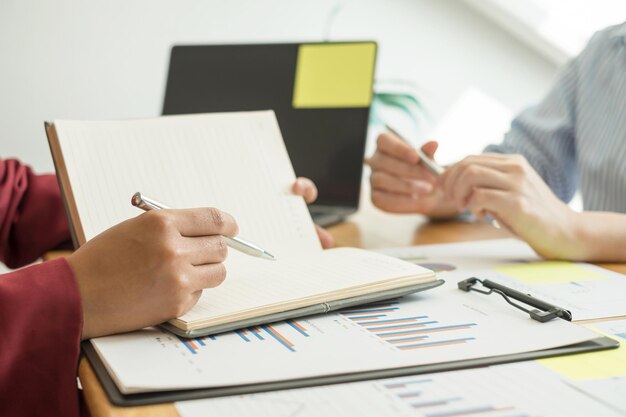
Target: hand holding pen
237 243
150 268
404 179
440 188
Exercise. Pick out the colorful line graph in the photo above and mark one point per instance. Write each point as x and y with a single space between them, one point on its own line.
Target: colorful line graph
406 333
253 335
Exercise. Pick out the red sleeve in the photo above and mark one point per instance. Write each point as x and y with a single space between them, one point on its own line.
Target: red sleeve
41 323
32 217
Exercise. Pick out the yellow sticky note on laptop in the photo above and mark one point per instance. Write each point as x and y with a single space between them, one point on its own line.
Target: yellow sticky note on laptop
550 272
334 75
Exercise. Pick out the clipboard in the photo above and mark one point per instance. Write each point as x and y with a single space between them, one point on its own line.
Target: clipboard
543 312
537 309
129 400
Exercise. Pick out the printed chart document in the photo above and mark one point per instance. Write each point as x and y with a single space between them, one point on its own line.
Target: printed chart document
601 375
521 389
575 385
437 326
233 161
587 291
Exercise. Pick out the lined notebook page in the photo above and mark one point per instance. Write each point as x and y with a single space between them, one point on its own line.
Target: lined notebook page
253 283
234 161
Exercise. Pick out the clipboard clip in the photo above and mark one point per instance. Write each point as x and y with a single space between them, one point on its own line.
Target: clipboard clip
542 311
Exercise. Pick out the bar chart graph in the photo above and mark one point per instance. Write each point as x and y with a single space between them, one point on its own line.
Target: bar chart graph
196 343
387 322
482 392
282 333
425 397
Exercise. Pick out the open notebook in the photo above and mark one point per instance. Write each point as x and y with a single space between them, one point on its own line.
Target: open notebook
238 163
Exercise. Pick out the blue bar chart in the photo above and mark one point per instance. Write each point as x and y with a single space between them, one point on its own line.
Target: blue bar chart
387 322
281 333
194 345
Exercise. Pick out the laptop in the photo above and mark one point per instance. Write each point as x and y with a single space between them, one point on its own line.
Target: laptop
321 94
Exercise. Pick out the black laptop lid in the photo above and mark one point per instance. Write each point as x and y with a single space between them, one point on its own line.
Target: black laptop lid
325 140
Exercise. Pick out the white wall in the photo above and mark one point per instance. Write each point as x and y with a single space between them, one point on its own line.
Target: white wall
108 59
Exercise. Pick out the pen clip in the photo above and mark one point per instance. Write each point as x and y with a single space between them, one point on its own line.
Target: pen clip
542 312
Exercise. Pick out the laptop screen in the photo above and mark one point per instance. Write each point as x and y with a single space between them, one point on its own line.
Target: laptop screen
321 94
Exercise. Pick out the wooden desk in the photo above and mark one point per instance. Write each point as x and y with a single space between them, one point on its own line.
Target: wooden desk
371 229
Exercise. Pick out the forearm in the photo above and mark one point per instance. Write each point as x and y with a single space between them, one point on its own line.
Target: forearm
545 135
32 217
602 236
41 321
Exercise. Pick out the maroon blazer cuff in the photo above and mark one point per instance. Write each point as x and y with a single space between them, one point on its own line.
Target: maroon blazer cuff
41 323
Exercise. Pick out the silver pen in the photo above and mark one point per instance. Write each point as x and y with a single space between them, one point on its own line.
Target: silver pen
145 203
428 163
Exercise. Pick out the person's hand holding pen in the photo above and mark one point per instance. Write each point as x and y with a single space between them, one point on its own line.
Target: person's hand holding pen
154 267
497 187
150 268
148 204
400 181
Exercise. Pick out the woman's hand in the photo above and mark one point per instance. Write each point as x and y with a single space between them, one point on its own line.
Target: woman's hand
508 188
150 269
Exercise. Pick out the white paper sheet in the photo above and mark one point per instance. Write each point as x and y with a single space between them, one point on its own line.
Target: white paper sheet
523 389
440 325
233 161
603 295
612 390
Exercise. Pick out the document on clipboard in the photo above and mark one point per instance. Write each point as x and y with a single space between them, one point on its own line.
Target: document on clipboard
519 389
442 329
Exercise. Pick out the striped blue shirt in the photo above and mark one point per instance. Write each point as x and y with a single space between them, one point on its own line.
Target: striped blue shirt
576 137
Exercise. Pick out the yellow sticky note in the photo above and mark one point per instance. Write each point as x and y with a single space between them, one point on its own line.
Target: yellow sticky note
334 75
593 365
550 272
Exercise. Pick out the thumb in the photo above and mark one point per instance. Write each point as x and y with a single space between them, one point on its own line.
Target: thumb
429 148
325 237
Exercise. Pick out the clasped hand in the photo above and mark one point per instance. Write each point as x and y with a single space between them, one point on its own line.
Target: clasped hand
503 186
509 189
